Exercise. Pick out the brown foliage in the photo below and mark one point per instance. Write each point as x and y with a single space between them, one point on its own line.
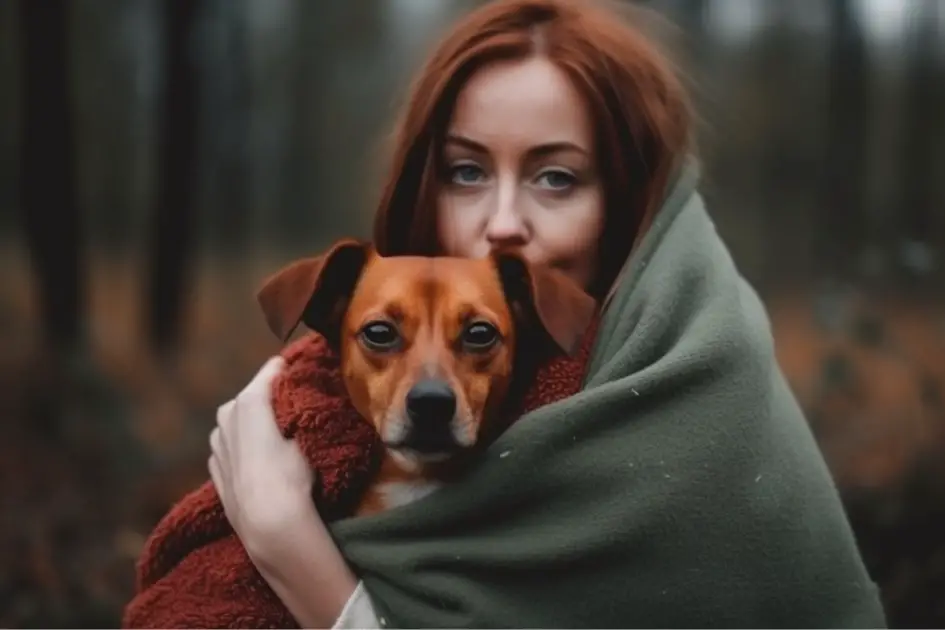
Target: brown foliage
870 374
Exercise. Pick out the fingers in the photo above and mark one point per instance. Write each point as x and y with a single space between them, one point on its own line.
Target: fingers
219 462
261 384
226 423
229 451
225 412
216 475
219 482
217 445
254 403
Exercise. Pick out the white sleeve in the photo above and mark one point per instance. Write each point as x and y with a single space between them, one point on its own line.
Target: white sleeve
358 612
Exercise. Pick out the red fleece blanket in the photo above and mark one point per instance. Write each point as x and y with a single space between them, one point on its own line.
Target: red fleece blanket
194 572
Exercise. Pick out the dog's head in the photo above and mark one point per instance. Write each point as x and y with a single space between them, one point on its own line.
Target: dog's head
427 344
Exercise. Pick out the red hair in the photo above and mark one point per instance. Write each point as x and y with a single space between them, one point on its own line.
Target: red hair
639 107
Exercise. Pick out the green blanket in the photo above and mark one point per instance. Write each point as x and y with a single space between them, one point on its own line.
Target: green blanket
681 488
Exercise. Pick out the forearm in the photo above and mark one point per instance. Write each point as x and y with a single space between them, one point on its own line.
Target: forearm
305 569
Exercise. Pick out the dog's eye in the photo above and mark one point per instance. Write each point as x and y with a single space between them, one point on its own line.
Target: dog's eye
480 336
380 336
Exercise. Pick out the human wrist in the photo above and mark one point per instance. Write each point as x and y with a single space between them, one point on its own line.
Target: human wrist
306 570
272 536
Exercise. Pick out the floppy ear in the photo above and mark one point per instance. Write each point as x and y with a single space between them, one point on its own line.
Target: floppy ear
314 291
547 297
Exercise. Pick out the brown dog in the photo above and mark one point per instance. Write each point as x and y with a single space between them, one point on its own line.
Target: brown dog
427 346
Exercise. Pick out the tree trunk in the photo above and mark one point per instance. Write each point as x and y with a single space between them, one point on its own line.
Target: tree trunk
48 179
838 240
920 226
226 120
172 237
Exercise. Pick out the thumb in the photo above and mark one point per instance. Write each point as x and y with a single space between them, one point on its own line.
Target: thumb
255 401
261 383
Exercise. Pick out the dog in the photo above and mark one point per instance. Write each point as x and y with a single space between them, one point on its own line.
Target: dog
428 346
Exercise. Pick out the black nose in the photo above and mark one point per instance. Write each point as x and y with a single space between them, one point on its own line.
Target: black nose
430 407
431 401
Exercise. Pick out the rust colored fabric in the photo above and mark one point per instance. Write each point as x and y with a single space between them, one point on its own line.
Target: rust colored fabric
195 573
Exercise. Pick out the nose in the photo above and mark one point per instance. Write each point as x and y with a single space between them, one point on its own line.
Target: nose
430 406
506 225
431 401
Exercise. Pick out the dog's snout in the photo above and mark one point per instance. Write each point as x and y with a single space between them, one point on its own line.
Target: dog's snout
431 405
431 400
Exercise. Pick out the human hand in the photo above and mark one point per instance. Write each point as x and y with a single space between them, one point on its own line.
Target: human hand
263 480
265 483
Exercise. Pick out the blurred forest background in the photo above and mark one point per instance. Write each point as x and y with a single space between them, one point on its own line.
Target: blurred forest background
159 157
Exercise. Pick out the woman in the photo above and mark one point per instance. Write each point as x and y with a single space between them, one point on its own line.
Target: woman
686 490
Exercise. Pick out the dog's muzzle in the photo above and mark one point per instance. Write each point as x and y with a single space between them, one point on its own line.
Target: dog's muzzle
431 409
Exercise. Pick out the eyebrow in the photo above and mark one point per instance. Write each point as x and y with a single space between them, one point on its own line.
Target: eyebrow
545 149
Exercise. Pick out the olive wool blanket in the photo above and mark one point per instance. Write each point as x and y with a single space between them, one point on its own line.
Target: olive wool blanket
680 488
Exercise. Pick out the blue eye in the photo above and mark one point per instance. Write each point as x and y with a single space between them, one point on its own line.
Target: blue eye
556 180
466 174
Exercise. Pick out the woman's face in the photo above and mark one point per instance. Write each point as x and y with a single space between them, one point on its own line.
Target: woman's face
519 170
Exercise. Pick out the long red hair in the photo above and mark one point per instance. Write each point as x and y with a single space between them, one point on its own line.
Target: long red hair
639 107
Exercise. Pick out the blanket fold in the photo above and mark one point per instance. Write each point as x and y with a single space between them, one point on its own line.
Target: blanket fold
195 573
680 488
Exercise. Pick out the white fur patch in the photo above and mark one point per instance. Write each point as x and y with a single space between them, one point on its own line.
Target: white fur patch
393 429
397 493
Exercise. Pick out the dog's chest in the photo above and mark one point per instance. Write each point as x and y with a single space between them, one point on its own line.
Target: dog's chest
396 493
